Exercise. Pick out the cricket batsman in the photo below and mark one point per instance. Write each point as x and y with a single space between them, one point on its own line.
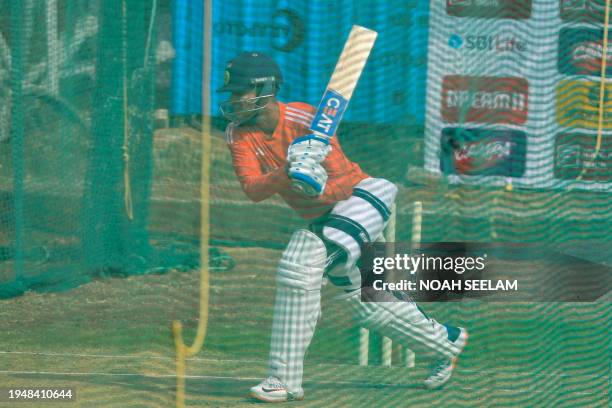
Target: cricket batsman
273 152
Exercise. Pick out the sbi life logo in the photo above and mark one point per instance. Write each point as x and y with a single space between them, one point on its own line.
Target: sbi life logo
495 43
455 41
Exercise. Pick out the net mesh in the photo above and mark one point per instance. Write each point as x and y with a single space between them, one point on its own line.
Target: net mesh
489 113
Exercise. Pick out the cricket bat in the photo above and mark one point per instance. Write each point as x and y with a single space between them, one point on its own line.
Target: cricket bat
343 81
340 90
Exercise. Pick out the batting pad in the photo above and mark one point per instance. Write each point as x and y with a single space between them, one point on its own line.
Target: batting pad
403 322
360 219
297 306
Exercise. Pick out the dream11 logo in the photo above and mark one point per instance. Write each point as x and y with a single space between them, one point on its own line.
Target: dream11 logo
286 30
503 100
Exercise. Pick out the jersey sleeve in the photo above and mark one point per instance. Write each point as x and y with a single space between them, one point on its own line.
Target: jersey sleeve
302 107
256 185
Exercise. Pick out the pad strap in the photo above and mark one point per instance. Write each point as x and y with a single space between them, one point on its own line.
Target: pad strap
352 228
376 202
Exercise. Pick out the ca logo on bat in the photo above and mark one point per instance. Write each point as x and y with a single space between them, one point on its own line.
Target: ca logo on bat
329 113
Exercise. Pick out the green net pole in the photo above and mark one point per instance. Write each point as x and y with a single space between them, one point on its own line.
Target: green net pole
140 74
118 177
101 208
17 132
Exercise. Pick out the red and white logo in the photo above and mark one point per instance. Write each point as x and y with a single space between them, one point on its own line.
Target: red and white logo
476 157
587 56
458 2
485 99
582 10
582 5
514 9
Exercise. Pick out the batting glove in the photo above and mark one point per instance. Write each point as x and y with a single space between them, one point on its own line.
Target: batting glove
308 147
308 177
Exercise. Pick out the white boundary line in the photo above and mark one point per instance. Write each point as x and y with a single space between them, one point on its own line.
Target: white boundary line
145 357
218 377
262 362
142 357
212 377
204 377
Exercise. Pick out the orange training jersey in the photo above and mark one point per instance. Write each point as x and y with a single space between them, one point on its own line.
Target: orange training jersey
259 162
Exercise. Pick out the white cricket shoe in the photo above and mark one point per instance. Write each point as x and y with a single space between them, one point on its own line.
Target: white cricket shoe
273 390
442 369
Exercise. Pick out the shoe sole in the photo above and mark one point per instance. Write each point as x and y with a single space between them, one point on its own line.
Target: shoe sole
453 363
273 401
456 358
467 337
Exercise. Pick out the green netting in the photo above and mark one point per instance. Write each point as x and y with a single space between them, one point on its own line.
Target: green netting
66 217
100 195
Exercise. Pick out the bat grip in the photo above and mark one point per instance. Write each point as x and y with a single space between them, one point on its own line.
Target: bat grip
304 187
304 184
321 135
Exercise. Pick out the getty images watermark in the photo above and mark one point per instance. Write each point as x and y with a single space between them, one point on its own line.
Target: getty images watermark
405 263
451 271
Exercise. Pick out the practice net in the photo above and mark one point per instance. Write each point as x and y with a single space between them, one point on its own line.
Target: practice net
494 116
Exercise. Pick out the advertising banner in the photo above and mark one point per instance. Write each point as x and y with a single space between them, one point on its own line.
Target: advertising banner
483 152
513 93
575 156
298 35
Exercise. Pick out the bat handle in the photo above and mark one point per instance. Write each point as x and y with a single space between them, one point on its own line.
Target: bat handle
319 134
304 184
306 188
